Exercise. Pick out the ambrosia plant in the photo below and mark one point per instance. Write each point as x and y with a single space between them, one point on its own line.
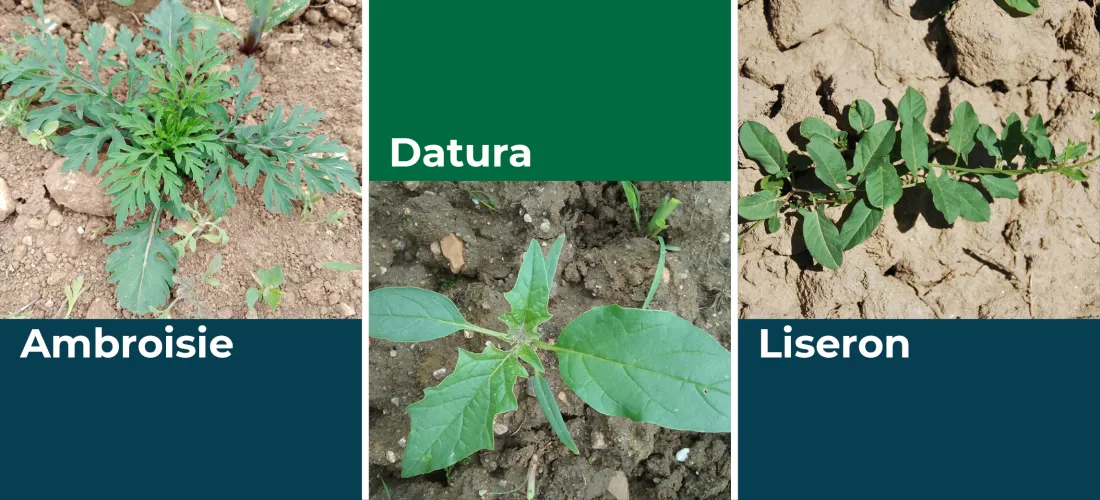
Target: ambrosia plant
163 118
869 168
645 365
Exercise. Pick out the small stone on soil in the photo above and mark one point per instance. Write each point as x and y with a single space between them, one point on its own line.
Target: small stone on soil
313 16
391 457
7 203
401 442
345 310
618 486
36 223
338 12
435 248
599 442
336 39
527 218
682 454
54 219
393 353
439 374
499 429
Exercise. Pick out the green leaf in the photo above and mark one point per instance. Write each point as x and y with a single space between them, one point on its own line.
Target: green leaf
774 224
283 11
912 107
988 138
829 164
528 354
812 128
455 418
963 128
914 146
406 314
530 296
772 183
822 238
1076 174
973 206
142 266
272 296
861 115
1012 137
761 145
552 259
170 22
1021 7
251 296
648 366
875 144
553 415
860 224
271 277
759 205
342 266
1000 186
214 265
884 187
203 21
944 196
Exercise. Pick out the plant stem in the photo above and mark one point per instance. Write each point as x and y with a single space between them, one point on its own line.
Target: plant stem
543 345
657 276
486 331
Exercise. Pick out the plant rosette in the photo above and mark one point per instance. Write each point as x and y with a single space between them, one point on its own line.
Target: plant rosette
646 365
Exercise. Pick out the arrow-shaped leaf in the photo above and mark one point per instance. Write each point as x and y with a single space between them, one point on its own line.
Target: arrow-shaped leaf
531 294
648 366
455 418
406 314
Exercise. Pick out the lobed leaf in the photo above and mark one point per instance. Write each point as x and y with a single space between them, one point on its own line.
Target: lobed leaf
407 314
759 205
648 366
822 238
142 266
761 145
170 21
530 296
455 418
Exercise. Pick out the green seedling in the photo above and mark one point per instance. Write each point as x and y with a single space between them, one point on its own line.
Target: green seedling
213 267
42 138
659 221
482 198
269 281
200 226
334 217
887 160
633 199
645 365
72 294
266 15
309 202
186 289
162 120
342 266
13 112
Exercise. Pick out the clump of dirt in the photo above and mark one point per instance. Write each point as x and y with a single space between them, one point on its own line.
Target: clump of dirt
604 261
56 232
1038 257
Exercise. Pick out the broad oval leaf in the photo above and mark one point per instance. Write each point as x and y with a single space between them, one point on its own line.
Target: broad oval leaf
142 267
759 205
822 238
1021 7
945 195
963 128
407 314
860 224
1000 186
912 107
972 204
883 184
829 164
530 296
455 418
812 128
648 366
773 224
861 115
876 143
1012 137
549 406
914 146
988 138
761 145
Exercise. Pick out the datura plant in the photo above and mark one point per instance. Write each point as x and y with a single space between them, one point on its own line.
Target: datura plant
645 365
870 168
165 118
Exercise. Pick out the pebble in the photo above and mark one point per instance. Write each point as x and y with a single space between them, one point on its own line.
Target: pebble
56 278
725 238
401 442
665 275
391 457
439 374
599 442
468 334
230 14
36 223
545 226
333 299
527 218
338 12
54 218
619 487
349 3
345 310
563 397
500 429
93 13
411 185
313 17
336 39
682 454
393 353
7 202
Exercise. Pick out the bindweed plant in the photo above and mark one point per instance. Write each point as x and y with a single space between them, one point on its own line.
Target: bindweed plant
165 118
645 365
1019 8
869 169
265 17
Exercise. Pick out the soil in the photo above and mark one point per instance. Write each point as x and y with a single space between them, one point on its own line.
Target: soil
45 245
604 261
1038 257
